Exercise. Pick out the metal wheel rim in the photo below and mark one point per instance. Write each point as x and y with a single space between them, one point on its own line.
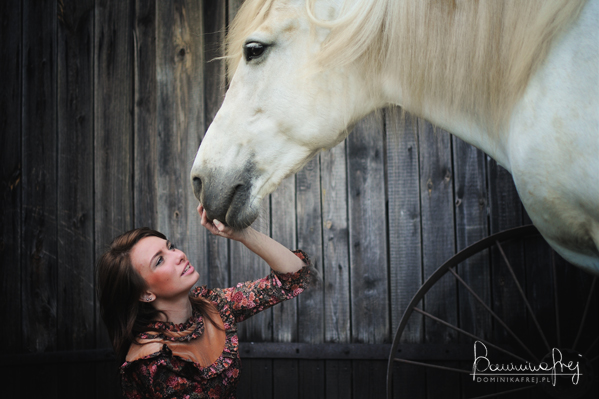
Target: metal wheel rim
516 233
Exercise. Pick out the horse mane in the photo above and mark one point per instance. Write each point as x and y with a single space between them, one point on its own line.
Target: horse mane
470 57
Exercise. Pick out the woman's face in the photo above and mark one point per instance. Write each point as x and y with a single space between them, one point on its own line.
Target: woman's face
165 269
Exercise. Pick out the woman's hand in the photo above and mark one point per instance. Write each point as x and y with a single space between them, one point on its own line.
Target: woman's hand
219 229
278 257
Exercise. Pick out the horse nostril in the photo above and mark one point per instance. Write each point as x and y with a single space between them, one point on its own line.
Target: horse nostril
197 186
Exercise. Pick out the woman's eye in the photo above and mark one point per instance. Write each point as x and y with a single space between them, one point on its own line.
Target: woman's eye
253 50
159 261
171 246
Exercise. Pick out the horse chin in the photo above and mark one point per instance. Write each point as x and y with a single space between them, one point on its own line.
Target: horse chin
241 217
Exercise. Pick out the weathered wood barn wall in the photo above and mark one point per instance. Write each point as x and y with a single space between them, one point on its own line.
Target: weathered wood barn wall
103 106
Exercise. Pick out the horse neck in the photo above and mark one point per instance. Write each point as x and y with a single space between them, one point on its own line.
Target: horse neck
464 127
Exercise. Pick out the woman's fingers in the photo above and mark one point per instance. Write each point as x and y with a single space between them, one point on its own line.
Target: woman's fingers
219 225
215 226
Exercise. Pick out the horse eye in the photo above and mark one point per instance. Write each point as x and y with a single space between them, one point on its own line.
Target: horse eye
253 50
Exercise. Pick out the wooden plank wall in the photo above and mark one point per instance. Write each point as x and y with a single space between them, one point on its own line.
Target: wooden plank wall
103 106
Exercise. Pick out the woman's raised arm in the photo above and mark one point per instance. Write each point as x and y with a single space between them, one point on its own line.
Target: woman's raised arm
278 257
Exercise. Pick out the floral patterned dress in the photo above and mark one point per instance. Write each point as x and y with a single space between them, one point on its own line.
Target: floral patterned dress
168 373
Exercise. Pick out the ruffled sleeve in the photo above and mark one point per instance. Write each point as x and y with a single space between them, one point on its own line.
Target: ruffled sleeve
247 299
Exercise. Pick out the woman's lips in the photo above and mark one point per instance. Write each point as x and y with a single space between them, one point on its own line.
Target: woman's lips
188 269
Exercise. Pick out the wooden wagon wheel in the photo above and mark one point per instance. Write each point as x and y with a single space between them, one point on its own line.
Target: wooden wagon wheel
532 349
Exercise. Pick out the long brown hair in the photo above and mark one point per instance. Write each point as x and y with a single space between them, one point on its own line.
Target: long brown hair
119 289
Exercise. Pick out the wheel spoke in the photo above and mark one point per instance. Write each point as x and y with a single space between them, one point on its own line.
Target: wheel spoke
493 314
556 301
590 348
469 334
505 392
532 314
584 314
434 366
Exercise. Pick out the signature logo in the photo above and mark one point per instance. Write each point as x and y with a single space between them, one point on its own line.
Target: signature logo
483 370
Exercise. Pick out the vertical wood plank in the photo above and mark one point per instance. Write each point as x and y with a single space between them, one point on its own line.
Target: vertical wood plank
310 302
75 176
145 138
539 289
408 381
335 266
369 378
113 120
471 226
403 188
76 299
335 263
215 21
39 246
286 380
180 123
283 229
285 323
405 245
10 174
234 6
337 378
368 241
312 382
309 238
262 378
505 213
108 380
247 266
438 242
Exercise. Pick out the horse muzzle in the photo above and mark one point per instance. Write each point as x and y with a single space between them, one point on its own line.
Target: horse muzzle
225 195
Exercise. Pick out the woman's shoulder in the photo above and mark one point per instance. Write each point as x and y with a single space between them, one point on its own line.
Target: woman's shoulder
144 353
214 295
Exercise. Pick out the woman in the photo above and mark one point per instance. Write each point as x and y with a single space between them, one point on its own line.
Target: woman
174 343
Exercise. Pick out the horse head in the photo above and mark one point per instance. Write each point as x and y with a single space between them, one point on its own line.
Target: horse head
282 107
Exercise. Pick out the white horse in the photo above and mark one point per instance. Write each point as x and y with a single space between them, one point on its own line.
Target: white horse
518 79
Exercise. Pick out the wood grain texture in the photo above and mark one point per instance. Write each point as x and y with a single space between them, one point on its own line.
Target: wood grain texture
403 188
368 237
335 232
311 301
286 379
506 212
39 241
214 28
471 225
337 375
180 121
312 379
113 121
309 239
256 379
76 297
247 266
438 243
283 230
368 378
11 174
145 142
